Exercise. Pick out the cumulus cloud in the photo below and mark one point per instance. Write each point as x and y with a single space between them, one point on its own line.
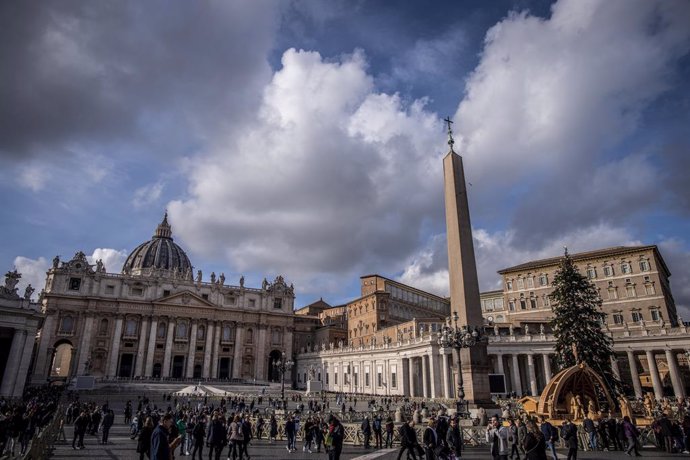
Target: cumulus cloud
33 272
315 187
677 255
113 259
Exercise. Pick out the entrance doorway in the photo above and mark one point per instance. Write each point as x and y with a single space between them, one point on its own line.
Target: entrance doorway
157 370
126 365
62 360
178 367
273 371
224 368
197 371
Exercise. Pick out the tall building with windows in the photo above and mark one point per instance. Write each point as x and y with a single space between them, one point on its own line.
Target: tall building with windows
155 319
633 283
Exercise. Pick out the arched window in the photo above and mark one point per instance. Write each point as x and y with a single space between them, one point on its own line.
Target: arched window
161 331
103 328
250 336
181 331
200 333
67 325
227 333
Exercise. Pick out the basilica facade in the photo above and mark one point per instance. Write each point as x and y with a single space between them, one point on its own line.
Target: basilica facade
157 319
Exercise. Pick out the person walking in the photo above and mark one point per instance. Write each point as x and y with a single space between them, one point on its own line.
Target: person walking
290 434
336 433
272 429
591 430
308 435
430 440
534 444
408 440
514 449
247 435
160 447
235 439
80 424
390 426
500 439
550 434
378 432
631 434
216 438
570 437
144 441
108 420
199 434
454 438
366 432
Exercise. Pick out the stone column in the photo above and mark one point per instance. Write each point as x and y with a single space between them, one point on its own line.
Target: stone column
405 376
167 356
446 374
614 367
115 348
434 375
43 357
676 381
411 375
192 351
548 375
206 373
85 345
72 364
148 372
425 378
216 349
261 359
24 365
634 374
12 366
517 384
654 373
237 357
532 375
141 348
499 364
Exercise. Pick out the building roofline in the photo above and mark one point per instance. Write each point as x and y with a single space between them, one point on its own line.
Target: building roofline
580 256
406 285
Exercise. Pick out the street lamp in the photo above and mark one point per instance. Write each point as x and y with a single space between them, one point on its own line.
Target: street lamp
459 337
283 365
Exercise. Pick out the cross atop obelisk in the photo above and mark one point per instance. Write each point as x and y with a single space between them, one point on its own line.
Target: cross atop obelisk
462 271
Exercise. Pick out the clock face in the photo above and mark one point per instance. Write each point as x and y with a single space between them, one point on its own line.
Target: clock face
490 318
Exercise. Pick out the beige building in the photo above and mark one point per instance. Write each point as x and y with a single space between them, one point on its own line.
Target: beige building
633 283
154 320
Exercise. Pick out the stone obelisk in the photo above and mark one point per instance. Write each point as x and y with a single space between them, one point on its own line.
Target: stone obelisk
462 271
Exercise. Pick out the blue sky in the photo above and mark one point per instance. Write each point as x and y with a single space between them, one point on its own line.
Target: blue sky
305 138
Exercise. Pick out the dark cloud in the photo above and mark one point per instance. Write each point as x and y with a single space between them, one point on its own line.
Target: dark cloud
99 72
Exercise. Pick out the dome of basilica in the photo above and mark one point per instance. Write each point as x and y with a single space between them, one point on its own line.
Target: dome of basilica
160 253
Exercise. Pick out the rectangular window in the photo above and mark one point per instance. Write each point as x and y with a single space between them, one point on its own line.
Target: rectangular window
137 291
523 304
543 280
367 381
617 318
204 296
498 304
379 379
613 293
530 282
608 270
509 285
74 284
636 316
110 289
533 303
649 289
625 268
630 290
511 305
229 300
656 315
327 378
591 272
277 304
166 293
335 377
644 265
521 283
252 302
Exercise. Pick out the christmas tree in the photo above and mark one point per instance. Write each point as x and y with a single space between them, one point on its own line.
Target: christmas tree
578 321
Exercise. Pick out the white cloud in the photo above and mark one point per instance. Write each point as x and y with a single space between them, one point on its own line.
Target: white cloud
113 260
315 186
33 272
148 194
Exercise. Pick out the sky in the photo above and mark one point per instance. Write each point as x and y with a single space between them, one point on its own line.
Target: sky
305 138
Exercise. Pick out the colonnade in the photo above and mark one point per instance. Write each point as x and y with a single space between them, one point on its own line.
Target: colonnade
18 360
194 355
528 372
651 358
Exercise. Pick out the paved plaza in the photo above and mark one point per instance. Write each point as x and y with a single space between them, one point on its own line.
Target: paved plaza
124 448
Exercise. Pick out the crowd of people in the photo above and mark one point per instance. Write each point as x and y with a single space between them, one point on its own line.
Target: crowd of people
21 420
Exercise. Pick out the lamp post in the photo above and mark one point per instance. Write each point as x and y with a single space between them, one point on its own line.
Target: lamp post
459 337
283 365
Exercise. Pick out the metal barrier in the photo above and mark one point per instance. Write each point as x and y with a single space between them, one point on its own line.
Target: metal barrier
41 445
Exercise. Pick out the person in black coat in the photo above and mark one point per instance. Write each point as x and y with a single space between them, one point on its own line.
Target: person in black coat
408 440
80 425
570 438
199 434
454 437
430 440
144 441
217 437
